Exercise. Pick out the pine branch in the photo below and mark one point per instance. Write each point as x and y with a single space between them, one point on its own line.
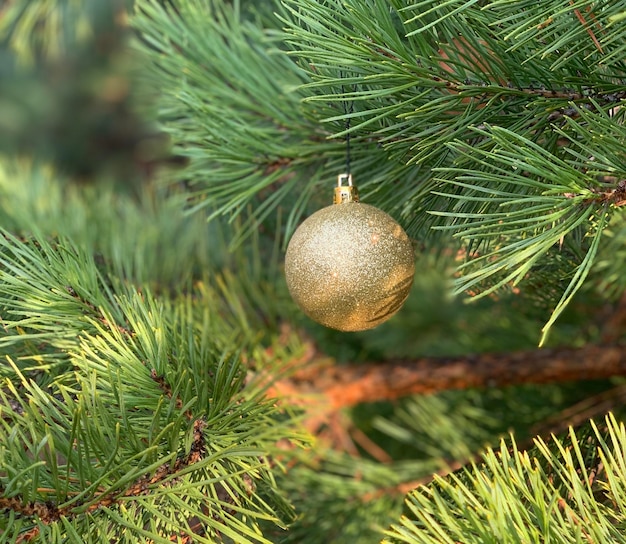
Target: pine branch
143 408
574 416
561 490
344 386
48 512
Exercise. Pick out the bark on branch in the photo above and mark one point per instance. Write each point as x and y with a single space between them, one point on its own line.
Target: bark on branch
348 385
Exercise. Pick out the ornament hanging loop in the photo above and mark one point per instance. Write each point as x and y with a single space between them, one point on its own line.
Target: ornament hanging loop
345 193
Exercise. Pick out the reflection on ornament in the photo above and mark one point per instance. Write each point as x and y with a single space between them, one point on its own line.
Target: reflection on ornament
349 266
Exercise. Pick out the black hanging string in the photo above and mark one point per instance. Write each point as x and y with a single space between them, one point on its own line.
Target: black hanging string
348 108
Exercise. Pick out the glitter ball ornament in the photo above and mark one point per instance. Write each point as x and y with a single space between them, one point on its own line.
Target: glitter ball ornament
349 266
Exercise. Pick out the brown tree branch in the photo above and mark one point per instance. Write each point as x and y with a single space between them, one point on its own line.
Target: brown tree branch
341 386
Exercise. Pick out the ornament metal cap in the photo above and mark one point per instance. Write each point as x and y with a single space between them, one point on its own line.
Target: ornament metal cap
345 193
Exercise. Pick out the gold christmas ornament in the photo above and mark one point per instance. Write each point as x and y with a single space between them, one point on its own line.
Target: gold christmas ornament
349 266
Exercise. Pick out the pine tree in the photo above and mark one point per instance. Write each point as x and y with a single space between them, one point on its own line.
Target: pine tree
157 382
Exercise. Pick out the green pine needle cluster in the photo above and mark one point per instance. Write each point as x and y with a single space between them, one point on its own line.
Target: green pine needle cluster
123 409
570 490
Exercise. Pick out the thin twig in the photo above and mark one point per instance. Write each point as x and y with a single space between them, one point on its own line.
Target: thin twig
403 488
582 411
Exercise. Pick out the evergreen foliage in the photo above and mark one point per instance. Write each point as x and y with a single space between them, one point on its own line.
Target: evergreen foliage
143 308
549 496
114 396
510 144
